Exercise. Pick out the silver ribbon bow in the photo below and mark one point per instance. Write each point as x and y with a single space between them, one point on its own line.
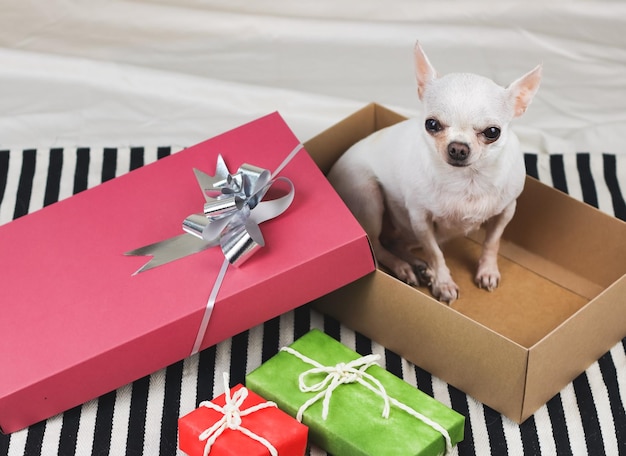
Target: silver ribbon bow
231 217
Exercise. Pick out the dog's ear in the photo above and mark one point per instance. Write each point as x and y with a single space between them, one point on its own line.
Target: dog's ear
424 71
522 91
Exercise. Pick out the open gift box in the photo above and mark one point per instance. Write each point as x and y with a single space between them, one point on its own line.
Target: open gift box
560 306
77 323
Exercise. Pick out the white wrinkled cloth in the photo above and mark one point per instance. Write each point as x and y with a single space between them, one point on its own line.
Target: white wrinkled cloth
167 72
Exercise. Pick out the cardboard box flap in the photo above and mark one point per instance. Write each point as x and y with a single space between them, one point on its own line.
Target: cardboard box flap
574 346
570 234
330 144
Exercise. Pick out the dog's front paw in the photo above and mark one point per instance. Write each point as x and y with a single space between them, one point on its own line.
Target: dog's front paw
445 291
488 277
425 275
404 271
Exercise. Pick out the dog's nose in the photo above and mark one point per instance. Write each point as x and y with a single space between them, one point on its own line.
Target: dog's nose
458 151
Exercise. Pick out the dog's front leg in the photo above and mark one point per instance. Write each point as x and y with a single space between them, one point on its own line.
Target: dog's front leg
488 274
441 284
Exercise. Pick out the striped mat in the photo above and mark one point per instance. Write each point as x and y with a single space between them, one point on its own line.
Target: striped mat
586 418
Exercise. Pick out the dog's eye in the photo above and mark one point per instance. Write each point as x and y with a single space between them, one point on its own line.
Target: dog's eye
433 126
491 133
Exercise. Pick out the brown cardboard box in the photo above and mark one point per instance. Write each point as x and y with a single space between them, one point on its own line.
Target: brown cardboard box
560 306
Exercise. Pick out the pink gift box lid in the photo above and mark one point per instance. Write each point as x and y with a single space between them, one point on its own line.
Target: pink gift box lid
76 323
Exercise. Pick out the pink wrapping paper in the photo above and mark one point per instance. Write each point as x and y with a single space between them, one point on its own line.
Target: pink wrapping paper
75 322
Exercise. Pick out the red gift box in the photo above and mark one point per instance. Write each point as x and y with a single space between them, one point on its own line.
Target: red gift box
240 422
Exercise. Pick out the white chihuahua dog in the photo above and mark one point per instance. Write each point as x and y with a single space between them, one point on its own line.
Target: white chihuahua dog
421 182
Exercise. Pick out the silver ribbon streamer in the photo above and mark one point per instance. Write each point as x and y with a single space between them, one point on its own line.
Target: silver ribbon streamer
231 216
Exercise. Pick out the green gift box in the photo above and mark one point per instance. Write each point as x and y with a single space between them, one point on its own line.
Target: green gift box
353 406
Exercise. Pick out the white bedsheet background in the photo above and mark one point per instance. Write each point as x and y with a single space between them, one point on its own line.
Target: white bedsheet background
175 72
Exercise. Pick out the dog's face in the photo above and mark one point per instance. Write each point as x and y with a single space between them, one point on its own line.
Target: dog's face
466 116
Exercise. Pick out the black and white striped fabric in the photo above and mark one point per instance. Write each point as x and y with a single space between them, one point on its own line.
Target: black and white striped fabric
586 418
